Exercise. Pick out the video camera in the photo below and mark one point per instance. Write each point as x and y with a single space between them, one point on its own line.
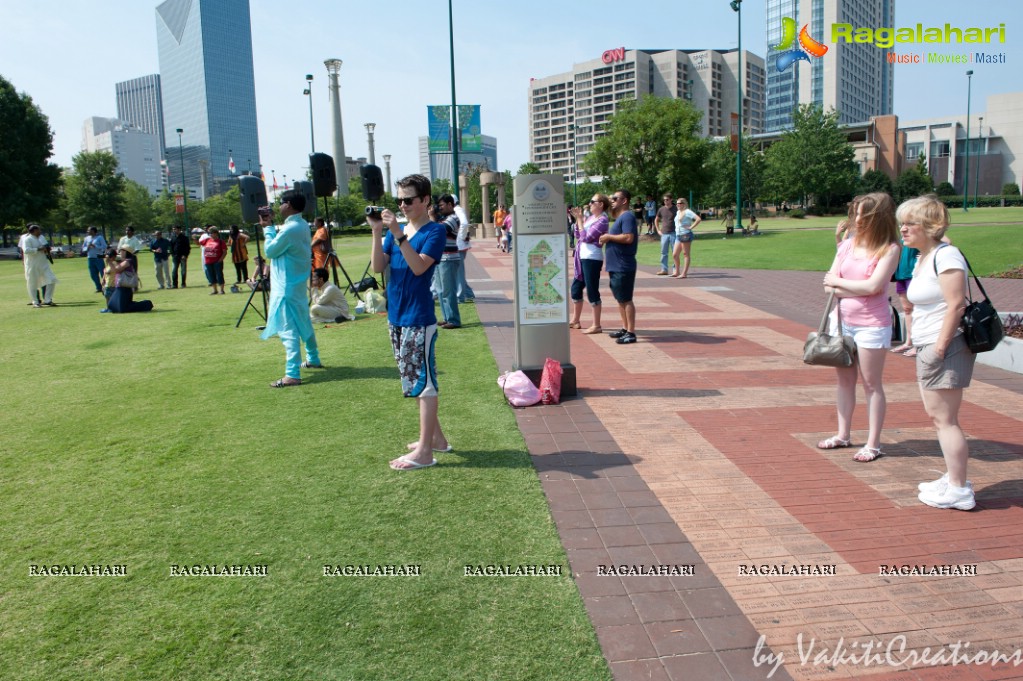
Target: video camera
374 211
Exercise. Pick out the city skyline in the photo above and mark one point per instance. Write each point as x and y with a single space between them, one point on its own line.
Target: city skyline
389 79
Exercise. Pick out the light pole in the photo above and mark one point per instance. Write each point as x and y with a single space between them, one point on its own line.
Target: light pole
340 163
309 93
966 183
454 103
387 171
976 174
575 165
736 6
370 127
184 190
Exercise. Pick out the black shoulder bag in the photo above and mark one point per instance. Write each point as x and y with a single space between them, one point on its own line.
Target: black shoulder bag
982 327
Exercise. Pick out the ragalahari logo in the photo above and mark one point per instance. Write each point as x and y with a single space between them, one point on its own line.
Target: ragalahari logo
807 46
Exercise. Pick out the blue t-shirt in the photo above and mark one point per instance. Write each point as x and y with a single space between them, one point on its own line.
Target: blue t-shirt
409 301
622 257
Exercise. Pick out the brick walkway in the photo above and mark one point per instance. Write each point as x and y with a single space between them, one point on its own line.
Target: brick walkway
695 447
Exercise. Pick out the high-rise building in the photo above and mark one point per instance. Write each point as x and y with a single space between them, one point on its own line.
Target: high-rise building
437 165
853 78
137 151
568 111
140 103
209 91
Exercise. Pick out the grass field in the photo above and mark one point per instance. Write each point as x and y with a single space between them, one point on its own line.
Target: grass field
153 440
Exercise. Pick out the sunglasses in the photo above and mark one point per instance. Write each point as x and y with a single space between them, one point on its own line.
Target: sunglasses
406 200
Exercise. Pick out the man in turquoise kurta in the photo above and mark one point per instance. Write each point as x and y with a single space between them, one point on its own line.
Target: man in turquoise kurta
290 254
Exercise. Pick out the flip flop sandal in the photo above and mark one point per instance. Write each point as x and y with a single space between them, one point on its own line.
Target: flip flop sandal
910 353
902 349
409 465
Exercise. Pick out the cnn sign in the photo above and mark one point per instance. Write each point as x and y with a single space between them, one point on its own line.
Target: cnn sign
613 55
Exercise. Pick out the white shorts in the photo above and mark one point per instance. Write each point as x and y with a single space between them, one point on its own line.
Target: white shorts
867 337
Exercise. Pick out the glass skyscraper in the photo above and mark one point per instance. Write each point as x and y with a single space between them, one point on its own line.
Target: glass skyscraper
139 102
209 91
853 78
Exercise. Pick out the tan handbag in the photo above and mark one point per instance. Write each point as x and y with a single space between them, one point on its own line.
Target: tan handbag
823 349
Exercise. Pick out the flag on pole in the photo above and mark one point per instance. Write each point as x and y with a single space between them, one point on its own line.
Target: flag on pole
230 165
275 182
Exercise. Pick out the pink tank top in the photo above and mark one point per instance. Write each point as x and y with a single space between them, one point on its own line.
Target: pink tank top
862 310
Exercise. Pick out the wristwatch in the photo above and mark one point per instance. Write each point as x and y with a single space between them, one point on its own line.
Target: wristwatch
401 239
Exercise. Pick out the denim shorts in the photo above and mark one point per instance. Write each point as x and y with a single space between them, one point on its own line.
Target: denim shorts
622 285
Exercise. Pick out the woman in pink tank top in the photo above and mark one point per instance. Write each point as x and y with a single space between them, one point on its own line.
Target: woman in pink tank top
859 276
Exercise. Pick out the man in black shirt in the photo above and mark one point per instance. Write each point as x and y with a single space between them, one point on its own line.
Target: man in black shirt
180 248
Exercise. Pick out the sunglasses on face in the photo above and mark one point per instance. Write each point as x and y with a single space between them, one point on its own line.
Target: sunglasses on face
406 200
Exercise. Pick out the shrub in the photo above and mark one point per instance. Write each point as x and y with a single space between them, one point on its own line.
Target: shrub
1010 189
797 213
945 189
1013 324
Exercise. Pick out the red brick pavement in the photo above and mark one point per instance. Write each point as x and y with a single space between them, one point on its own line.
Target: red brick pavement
694 448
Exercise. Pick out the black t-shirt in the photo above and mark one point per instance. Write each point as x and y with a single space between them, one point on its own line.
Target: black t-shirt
666 214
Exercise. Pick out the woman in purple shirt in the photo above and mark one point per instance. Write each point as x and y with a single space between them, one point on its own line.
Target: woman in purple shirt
589 259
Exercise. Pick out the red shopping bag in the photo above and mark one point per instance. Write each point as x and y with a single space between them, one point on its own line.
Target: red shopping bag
550 382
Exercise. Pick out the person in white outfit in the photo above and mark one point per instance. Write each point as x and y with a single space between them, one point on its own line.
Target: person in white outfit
38 273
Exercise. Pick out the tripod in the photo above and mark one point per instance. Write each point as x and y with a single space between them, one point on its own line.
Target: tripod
261 285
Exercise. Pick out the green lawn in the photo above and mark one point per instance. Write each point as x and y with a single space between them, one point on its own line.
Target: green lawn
990 248
153 440
975 216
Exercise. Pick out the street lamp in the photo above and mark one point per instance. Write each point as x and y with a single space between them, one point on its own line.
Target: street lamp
736 6
309 93
370 127
454 103
184 190
966 184
976 174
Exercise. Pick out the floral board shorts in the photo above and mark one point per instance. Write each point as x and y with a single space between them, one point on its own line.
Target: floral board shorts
417 363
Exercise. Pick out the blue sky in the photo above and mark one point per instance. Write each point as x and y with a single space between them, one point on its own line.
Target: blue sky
67 54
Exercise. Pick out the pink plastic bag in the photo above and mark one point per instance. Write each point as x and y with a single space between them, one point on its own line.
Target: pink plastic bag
519 390
550 382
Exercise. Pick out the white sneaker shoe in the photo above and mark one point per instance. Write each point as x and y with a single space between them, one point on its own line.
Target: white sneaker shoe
936 485
960 498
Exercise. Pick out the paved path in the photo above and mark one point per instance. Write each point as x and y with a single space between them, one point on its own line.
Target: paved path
695 447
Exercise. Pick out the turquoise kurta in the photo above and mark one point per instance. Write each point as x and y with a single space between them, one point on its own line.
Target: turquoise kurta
289 252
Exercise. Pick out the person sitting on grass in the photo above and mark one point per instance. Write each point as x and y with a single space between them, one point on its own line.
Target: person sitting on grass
125 282
328 302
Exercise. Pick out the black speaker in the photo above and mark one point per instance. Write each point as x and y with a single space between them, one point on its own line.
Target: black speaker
305 188
372 182
253 196
324 177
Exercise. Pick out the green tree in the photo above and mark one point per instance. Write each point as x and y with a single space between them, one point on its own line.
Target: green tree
651 145
95 191
945 189
874 181
165 211
913 181
813 162
138 207
222 210
528 168
28 181
720 167
1010 189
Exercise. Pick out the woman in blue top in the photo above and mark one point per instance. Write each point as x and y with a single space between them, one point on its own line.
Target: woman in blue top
685 222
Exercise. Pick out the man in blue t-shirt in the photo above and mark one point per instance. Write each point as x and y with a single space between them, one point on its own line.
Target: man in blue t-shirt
621 243
410 253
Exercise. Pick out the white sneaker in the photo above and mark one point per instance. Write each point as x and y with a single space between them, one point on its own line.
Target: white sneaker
936 485
960 498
